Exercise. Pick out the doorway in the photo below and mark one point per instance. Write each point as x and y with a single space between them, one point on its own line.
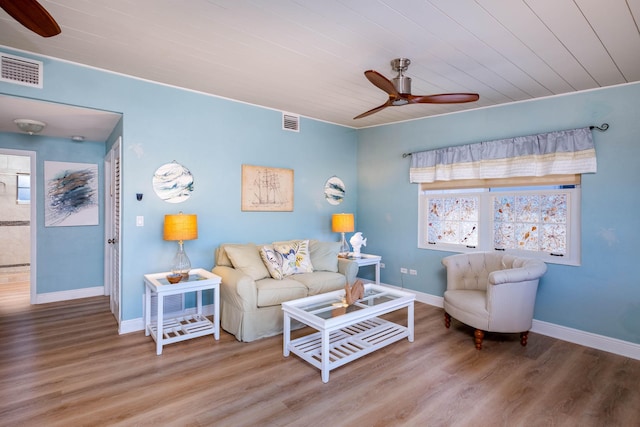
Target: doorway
17 223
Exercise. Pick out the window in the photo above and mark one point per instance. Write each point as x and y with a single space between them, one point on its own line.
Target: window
23 196
541 222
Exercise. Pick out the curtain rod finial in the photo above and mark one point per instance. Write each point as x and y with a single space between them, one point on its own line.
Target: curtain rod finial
603 127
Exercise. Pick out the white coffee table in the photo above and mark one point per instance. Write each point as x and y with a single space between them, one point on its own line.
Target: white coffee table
345 333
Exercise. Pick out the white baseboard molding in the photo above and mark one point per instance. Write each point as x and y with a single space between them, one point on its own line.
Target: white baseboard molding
587 339
68 295
576 336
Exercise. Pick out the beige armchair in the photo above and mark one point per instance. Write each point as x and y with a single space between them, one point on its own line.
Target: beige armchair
492 292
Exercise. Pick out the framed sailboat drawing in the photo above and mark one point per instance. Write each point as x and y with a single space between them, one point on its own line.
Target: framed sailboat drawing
267 189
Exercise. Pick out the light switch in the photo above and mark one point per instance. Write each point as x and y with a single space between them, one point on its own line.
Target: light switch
139 221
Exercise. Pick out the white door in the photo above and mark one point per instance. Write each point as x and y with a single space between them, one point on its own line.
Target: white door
112 228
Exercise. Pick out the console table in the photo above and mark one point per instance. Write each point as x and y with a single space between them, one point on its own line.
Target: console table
167 331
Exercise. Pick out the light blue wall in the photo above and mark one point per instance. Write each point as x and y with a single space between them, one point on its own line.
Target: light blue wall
68 258
212 137
603 295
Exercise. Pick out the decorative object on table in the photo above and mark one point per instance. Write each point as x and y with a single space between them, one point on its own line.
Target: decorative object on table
334 190
354 293
267 189
357 241
180 227
174 278
173 182
71 194
342 223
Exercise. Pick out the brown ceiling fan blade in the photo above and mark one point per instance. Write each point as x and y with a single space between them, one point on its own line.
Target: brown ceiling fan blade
32 15
373 110
381 82
443 98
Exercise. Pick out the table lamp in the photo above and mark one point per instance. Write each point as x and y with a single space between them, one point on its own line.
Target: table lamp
342 223
181 227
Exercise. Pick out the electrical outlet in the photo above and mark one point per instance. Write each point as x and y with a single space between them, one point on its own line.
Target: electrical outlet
413 272
382 265
403 270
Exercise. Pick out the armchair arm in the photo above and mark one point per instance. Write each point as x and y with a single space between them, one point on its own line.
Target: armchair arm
349 268
531 270
237 287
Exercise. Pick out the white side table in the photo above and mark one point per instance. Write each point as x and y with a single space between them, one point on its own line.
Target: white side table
366 259
167 331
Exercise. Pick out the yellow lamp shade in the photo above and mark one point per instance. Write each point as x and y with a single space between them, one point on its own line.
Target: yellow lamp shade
342 223
181 227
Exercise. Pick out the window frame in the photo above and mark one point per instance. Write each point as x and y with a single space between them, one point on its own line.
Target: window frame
486 222
19 200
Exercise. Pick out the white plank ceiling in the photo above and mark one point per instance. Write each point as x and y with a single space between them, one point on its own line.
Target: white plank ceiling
307 57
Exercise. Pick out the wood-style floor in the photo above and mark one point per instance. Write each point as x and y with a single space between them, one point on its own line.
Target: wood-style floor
64 364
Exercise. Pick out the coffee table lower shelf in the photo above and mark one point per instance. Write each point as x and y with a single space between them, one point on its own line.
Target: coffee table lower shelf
348 343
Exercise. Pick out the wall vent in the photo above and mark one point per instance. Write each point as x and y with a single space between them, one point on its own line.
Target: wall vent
290 122
22 71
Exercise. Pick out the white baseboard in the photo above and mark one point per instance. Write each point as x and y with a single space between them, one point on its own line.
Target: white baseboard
576 336
68 295
587 339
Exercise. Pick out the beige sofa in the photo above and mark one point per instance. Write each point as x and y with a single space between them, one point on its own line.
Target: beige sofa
251 296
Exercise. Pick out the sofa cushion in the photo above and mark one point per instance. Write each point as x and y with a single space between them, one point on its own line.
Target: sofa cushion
295 256
320 282
221 256
274 292
324 255
273 261
246 258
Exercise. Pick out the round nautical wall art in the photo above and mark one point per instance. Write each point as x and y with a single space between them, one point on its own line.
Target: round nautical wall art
173 183
334 190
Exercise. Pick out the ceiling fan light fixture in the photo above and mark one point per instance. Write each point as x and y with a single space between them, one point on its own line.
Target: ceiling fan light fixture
30 126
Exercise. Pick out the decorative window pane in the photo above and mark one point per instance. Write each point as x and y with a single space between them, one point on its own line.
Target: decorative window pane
538 222
453 220
519 218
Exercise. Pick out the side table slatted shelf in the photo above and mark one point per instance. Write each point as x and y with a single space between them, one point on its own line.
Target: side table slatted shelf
183 328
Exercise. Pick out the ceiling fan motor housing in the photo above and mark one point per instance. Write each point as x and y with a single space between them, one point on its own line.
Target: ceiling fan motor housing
401 82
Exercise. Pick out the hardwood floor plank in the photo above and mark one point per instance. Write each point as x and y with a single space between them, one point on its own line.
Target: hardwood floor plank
63 364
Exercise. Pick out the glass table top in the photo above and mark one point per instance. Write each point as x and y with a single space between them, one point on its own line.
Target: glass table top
334 306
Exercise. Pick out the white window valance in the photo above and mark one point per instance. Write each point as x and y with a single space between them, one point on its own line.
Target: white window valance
553 153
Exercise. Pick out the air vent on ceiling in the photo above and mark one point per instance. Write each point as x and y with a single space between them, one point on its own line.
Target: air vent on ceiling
290 122
22 71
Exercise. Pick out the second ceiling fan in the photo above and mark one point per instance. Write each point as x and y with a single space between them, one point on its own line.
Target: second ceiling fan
399 90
